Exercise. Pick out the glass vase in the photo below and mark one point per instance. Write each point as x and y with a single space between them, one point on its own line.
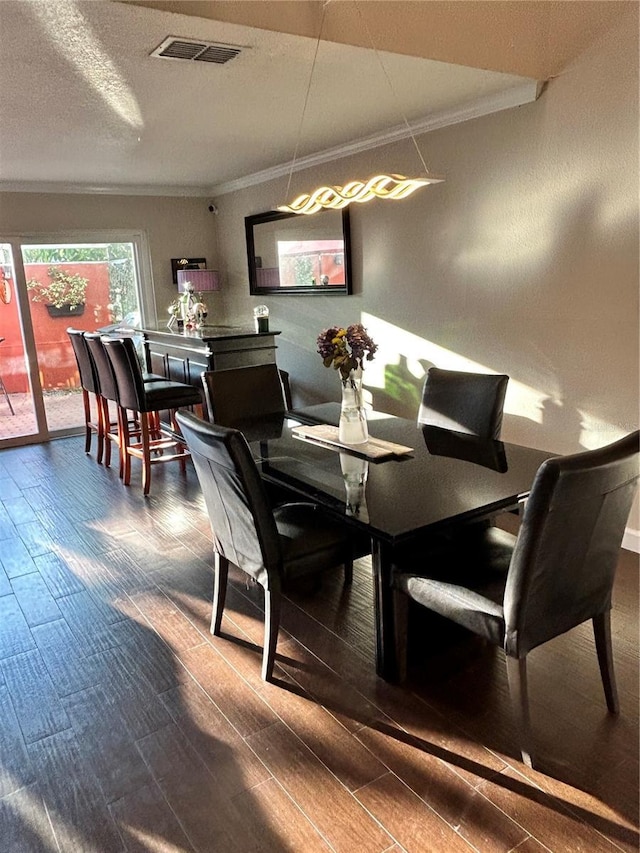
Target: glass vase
352 428
355 472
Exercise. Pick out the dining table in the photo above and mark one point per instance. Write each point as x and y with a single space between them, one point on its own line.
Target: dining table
409 481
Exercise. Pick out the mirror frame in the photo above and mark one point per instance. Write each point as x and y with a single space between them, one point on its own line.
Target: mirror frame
299 290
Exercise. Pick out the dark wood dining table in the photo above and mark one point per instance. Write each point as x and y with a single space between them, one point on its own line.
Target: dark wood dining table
446 479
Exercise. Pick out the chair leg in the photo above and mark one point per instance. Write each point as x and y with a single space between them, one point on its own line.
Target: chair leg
87 420
99 430
125 439
146 452
517 678
348 572
104 417
272 600
401 630
602 634
221 573
176 429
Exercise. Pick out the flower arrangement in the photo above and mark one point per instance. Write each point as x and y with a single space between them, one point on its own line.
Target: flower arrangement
345 349
64 289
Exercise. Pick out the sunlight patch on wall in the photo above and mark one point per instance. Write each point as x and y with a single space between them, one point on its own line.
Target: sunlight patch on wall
73 38
596 433
396 346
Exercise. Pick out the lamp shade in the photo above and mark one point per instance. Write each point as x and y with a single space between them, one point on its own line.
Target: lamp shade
200 280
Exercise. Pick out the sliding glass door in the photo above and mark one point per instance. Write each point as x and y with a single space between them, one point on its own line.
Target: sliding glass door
48 285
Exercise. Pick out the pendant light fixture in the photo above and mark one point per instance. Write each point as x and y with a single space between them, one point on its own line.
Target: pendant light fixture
358 191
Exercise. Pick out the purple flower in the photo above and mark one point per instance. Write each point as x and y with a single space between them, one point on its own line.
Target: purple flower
360 343
345 349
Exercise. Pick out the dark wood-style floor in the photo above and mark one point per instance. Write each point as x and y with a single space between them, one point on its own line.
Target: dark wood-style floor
125 726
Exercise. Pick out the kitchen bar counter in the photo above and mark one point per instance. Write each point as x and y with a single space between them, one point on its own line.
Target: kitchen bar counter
183 356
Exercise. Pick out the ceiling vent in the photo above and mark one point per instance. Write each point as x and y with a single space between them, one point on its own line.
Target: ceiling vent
195 51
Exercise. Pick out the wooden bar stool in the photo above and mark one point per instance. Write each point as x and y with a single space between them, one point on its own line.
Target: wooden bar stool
90 384
108 393
156 442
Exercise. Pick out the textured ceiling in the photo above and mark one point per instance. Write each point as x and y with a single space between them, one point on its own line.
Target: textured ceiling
85 107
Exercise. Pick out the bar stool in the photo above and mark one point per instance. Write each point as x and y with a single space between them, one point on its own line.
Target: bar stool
147 400
108 392
90 384
5 392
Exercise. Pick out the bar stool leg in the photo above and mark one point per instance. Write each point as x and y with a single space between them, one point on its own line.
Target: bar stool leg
103 408
146 452
125 439
176 429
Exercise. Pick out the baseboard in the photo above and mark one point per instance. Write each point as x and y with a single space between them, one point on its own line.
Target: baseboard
631 540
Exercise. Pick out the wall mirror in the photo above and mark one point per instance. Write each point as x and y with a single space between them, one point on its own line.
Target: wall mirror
288 253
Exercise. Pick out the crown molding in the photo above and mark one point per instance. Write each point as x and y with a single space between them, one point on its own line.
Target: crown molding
516 96
100 189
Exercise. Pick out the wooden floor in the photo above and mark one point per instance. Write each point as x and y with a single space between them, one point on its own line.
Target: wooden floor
125 726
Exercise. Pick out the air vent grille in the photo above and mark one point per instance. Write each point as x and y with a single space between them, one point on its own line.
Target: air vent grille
195 51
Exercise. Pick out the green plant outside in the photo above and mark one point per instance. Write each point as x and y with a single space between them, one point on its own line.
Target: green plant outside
123 297
65 288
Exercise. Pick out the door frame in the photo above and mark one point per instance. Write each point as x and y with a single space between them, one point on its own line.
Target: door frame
146 298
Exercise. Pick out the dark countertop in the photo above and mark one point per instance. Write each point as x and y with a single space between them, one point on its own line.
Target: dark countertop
207 333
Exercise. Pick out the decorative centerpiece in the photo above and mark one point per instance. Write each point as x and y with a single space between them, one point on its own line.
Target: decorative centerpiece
188 310
345 350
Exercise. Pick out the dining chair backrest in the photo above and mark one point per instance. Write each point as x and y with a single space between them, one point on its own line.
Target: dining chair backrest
106 377
123 357
242 522
88 374
568 546
465 402
243 393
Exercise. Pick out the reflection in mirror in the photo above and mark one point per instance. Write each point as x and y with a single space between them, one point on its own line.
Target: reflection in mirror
287 253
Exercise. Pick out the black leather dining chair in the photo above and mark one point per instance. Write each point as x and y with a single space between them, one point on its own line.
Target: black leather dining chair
464 402
252 399
519 593
90 385
155 443
270 545
241 394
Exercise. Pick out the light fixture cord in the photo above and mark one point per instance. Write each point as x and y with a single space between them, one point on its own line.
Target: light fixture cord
390 84
306 97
